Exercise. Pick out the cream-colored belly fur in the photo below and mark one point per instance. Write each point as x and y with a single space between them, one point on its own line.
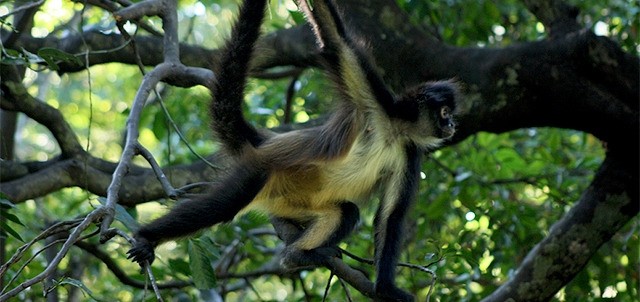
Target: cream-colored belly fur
293 192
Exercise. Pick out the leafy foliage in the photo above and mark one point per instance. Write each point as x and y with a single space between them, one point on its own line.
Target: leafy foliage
5 228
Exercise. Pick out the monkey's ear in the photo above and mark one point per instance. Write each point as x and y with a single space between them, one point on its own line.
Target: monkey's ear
445 112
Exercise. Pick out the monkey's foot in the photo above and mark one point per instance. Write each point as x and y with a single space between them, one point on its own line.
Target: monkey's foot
294 258
142 251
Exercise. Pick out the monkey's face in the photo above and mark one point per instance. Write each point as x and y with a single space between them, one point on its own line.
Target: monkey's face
446 124
438 99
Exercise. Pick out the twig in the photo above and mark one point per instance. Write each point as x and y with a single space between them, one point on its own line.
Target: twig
59 227
346 289
326 289
422 268
168 188
152 279
91 218
182 137
38 252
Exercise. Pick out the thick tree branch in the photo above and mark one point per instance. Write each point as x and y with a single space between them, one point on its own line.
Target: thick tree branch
285 47
544 83
557 15
607 205
120 274
576 81
111 47
95 175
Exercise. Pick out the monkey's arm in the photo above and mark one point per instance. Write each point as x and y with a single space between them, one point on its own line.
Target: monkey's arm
349 67
399 193
225 199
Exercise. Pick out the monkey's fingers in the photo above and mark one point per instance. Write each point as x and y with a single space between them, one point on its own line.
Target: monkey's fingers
141 253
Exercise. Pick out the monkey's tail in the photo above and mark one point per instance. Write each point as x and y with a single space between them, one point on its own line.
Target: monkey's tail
228 122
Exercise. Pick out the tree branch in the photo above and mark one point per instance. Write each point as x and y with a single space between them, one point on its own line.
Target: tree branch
281 48
120 274
557 15
607 205
16 98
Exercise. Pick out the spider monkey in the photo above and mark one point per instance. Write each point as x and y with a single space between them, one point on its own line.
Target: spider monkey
314 177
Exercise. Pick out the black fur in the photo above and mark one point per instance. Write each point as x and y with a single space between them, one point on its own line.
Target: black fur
293 258
407 107
297 164
246 179
350 218
389 230
229 196
331 55
228 123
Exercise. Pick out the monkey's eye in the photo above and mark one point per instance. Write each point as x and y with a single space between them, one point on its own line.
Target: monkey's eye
445 112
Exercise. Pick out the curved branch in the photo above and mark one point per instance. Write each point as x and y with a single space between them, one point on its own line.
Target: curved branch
17 98
112 7
120 274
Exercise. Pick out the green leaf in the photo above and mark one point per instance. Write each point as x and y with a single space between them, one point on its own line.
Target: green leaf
11 52
5 228
11 217
123 216
5 203
179 266
159 127
510 159
12 57
297 17
201 269
51 56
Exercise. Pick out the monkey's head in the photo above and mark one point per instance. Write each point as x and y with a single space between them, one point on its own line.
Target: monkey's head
440 99
436 104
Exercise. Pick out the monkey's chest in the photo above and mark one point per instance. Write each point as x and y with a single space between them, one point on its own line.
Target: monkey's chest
351 178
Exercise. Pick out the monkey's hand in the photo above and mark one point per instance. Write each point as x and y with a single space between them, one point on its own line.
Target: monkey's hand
389 292
142 251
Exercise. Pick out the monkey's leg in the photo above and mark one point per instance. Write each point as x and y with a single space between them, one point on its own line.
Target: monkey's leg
288 230
225 199
317 243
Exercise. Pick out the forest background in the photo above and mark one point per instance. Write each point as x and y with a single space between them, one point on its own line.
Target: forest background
535 198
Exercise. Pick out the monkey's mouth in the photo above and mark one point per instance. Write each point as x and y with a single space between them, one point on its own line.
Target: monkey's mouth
448 130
